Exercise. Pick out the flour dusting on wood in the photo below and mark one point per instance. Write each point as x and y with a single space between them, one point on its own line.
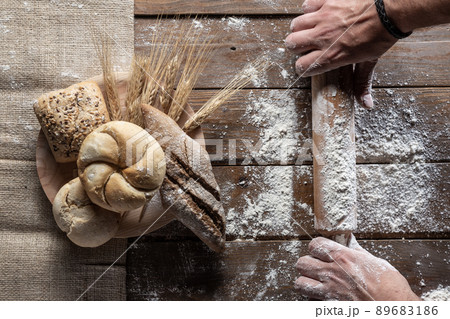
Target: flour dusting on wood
394 130
402 198
275 113
235 23
270 211
441 293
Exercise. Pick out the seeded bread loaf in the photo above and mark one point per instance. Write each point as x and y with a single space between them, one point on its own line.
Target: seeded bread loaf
67 116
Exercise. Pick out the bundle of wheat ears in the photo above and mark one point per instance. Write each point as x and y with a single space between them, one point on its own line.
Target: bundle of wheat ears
165 76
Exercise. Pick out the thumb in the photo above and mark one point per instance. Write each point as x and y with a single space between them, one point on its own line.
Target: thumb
363 83
353 244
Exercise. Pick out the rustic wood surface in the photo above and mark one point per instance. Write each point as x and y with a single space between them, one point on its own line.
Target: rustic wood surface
412 86
260 270
420 61
243 184
170 7
232 123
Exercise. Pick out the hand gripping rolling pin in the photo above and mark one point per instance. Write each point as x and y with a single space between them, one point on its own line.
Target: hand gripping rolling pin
334 154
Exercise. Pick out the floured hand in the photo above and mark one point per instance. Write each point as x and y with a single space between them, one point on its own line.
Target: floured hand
335 33
335 272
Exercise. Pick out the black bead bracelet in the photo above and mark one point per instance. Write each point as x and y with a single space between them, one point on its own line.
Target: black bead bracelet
387 23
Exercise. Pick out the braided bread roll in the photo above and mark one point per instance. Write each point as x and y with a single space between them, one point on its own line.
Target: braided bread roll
121 166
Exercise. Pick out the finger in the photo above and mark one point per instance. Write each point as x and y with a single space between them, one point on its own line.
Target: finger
301 42
363 75
313 63
312 5
325 249
353 244
310 267
304 22
310 288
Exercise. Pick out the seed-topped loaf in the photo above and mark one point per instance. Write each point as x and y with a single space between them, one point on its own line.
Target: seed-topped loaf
67 116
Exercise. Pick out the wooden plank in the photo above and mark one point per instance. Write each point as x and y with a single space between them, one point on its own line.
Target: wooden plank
406 125
276 202
272 127
260 270
172 7
419 61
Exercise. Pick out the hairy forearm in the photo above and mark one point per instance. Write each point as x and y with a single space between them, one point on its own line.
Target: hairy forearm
408 15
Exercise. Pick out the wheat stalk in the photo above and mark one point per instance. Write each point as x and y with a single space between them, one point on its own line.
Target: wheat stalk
249 73
169 84
135 87
196 61
157 61
102 45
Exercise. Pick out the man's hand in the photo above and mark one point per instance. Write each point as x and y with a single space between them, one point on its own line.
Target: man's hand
335 272
334 33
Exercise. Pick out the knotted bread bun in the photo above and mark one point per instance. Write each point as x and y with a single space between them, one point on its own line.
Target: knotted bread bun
121 166
86 224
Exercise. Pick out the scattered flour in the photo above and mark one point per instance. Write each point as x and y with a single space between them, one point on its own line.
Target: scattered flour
441 293
198 24
258 79
78 5
285 74
390 131
271 211
236 23
293 247
276 115
402 198
5 67
270 3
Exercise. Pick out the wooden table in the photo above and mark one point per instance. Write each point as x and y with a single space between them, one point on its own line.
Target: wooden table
403 202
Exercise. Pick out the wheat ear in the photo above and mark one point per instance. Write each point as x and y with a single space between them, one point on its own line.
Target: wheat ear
249 73
103 49
135 87
169 84
196 61
158 59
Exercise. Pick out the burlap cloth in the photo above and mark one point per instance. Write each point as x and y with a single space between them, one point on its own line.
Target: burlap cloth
45 45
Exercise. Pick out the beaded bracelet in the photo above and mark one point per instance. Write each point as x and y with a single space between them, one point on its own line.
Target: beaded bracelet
387 23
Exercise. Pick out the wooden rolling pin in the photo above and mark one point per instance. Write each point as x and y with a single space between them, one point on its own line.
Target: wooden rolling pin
334 154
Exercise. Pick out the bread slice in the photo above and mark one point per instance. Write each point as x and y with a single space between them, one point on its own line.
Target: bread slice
67 116
189 188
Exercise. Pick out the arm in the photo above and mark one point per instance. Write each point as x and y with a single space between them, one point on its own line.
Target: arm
409 15
336 272
334 33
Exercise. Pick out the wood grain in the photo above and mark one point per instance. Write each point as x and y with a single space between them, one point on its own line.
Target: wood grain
260 270
387 208
172 264
248 189
420 61
414 114
253 7
401 117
